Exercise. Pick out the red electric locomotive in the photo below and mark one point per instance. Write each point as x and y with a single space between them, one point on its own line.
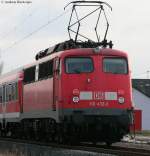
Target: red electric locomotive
75 90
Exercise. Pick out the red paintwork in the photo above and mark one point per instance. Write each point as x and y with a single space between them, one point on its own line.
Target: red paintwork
13 106
38 95
46 94
100 81
137 125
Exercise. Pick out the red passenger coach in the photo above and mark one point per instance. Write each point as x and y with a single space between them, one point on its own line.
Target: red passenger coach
11 97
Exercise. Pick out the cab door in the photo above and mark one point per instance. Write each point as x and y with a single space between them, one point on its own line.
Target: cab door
56 84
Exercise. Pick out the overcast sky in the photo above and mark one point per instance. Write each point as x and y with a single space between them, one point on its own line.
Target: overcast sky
129 20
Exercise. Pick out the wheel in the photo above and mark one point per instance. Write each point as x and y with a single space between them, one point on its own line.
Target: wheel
59 138
108 143
94 142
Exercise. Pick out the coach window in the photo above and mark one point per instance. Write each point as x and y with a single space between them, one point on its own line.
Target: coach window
29 75
4 93
46 69
8 93
1 93
7 88
14 89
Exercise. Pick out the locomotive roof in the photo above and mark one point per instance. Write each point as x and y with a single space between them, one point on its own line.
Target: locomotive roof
80 52
72 52
90 51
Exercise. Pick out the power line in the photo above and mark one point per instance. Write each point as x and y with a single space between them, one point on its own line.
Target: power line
35 31
17 26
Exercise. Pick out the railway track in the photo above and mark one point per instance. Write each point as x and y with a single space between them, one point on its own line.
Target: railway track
113 150
121 151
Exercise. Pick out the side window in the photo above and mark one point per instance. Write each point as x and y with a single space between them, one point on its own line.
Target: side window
29 75
4 94
1 93
45 69
14 89
8 93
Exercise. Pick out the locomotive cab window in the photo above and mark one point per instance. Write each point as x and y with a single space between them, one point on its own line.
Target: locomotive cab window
79 65
115 65
29 75
46 69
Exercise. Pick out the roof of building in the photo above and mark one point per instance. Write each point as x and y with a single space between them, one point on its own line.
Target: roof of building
142 85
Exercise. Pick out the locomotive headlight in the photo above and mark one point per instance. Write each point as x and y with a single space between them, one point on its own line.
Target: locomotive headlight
75 99
121 100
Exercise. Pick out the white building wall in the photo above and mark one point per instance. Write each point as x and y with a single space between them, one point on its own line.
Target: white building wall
142 102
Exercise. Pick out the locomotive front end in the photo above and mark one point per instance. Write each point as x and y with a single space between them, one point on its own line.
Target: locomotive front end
96 91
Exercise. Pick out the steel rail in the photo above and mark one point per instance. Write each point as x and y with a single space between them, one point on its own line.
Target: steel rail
115 150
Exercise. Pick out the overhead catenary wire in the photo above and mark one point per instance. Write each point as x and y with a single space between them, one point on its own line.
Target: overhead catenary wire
4 36
37 30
